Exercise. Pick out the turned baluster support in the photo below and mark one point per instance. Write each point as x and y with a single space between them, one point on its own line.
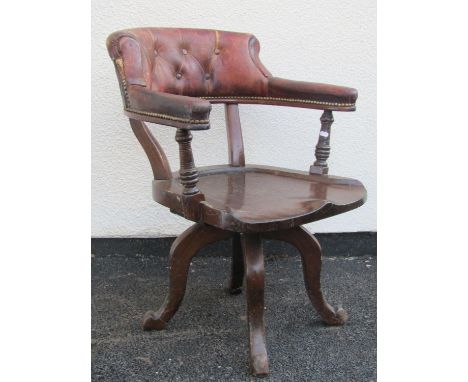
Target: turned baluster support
322 150
188 172
188 175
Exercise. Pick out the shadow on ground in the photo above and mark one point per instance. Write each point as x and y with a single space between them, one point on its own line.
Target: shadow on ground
207 338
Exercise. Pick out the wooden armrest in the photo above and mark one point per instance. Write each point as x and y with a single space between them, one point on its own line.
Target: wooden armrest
323 96
184 112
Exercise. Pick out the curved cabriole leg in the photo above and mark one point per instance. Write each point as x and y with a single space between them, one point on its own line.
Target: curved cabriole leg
254 285
311 252
237 266
182 251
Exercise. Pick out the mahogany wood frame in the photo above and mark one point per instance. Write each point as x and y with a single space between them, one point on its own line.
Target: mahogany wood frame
247 254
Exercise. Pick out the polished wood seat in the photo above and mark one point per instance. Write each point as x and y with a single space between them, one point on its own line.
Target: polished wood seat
171 76
260 198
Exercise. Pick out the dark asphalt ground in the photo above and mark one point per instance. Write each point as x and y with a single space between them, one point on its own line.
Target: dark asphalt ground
207 339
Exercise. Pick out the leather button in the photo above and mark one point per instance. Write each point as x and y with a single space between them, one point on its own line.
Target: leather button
178 76
184 51
207 76
216 51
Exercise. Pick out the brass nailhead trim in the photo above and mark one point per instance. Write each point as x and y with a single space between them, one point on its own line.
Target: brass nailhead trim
169 117
283 99
120 65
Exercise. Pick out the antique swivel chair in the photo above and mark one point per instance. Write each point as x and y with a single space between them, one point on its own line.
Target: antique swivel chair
171 77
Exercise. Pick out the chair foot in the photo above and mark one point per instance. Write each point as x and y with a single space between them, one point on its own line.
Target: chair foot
237 266
184 248
255 281
259 365
151 321
311 255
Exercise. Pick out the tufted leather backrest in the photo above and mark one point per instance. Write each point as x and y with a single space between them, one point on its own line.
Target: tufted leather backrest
191 62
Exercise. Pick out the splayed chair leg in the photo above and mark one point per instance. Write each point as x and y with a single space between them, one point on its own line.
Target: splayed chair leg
184 248
237 266
254 288
311 255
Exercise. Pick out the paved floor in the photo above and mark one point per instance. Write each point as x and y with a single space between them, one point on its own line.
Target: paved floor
207 339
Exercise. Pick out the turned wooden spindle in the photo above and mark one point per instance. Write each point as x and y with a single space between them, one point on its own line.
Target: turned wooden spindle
188 172
322 150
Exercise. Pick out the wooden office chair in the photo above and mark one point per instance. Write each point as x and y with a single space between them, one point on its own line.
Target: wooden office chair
171 77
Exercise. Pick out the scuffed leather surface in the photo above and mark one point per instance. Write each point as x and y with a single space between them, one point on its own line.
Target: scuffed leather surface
217 65
189 108
191 62
283 88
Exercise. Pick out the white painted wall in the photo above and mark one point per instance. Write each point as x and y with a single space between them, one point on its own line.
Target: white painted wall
329 41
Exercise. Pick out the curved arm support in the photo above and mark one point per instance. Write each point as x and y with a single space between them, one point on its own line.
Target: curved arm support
155 153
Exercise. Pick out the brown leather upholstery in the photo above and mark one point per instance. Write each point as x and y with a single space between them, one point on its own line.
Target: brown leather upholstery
186 108
164 72
327 94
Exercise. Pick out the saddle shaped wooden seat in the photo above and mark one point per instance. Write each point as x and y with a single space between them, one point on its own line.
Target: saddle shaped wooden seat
171 77
256 198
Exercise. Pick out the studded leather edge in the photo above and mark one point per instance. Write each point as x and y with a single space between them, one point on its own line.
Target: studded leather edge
168 117
296 100
123 80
